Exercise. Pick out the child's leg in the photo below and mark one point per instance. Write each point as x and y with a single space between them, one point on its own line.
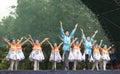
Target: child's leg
104 64
75 64
53 65
96 64
11 65
101 65
16 64
35 64
93 66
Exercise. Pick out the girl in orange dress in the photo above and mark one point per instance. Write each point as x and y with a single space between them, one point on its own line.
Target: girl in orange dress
19 51
105 55
76 53
55 55
11 56
96 54
36 55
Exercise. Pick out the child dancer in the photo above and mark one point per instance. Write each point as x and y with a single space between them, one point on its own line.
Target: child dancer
96 54
88 47
55 55
19 50
11 56
71 56
66 45
36 54
77 55
105 55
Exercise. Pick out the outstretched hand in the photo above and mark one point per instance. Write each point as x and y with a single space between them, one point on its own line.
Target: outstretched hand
112 45
29 35
46 38
101 40
76 38
76 26
96 31
4 39
61 24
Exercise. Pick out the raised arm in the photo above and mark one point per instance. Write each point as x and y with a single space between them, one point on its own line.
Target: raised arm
61 29
95 33
25 41
20 40
82 31
81 42
100 43
6 40
60 38
31 38
61 25
50 44
73 41
43 40
83 35
110 47
73 31
60 44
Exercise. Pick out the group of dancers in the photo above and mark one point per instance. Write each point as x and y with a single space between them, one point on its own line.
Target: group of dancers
93 52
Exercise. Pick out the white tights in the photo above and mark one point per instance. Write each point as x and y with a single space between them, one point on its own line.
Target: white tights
95 65
12 63
36 65
104 64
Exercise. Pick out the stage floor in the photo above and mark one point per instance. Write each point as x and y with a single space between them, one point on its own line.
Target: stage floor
59 72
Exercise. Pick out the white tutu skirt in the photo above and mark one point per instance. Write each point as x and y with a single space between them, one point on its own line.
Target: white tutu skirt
105 57
15 55
96 56
75 54
90 58
36 55
55 56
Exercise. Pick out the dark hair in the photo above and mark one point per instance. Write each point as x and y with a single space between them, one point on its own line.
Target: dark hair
77 41
104 45
53 43
11 40
36 40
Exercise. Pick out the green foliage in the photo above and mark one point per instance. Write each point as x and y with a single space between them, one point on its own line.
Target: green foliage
40 18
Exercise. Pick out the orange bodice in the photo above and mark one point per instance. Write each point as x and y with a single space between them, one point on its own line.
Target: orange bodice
37 46
96 49
19 46
76 46
105 51
13 46
55 49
